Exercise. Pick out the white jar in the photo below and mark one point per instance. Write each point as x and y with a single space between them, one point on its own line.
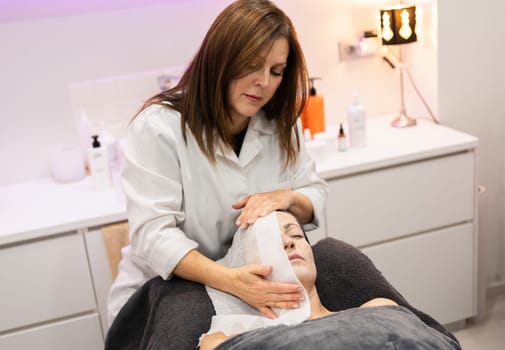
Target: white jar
317 150
66 163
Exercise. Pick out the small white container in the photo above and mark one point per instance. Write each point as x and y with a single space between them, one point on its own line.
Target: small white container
317 150
99 165
326 137
108 142
85 130
66 164
307 136
330 141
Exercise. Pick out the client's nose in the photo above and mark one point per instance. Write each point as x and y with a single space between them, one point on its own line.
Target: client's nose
289 243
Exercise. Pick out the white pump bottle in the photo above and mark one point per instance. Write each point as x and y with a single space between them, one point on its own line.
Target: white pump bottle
99 165
356 115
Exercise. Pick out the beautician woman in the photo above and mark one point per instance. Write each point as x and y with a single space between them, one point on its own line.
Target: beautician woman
216 152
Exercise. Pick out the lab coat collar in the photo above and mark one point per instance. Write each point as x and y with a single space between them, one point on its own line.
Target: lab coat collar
260 123
252 145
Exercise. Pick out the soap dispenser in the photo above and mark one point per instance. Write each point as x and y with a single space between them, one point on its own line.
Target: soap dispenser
99 165
313 114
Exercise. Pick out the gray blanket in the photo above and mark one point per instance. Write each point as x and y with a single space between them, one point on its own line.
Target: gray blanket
173 314
385 327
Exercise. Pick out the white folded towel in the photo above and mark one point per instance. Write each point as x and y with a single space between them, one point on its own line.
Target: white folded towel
260 244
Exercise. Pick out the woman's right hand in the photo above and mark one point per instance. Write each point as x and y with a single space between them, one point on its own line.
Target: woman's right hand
250 284
247 282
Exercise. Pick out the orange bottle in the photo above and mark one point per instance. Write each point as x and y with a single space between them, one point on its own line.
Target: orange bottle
313 114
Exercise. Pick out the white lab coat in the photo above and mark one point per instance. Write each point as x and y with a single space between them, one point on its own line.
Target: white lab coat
177 200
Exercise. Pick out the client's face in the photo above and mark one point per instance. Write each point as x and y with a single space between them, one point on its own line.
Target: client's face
297 248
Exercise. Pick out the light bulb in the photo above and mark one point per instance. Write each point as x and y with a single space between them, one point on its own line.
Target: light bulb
387 32
405 30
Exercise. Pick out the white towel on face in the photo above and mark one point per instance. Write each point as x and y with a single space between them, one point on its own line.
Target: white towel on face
260 244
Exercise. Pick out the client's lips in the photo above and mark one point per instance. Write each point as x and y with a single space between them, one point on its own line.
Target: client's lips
295 256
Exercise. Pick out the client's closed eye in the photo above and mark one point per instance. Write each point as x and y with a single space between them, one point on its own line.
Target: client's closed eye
295 232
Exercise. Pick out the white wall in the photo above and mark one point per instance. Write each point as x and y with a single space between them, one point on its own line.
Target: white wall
40 58
472 99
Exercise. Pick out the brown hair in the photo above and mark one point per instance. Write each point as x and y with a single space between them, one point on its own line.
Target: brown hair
232 45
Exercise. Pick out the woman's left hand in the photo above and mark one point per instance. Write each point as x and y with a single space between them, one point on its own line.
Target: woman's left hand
261 204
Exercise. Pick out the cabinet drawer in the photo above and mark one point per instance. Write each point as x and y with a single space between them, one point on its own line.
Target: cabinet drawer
82 333
44 280
398 201
434 271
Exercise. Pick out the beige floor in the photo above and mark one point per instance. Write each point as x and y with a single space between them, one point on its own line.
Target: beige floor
488 334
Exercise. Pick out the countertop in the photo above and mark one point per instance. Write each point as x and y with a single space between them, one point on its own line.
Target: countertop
42 208
389 146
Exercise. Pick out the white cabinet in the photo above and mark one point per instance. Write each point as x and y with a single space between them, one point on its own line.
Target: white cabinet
80 333
409 202
401 200
433 271
48 299
54 274
44 280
